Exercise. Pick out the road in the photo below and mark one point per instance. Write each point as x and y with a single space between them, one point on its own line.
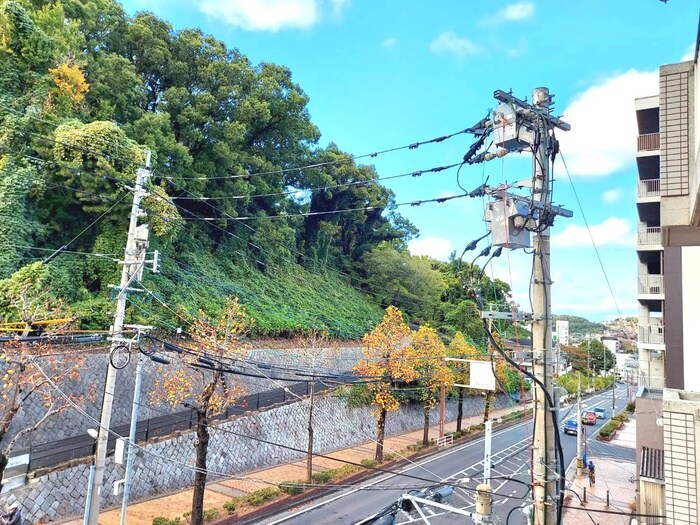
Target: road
461 465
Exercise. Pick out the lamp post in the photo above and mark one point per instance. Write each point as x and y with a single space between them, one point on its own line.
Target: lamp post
88 499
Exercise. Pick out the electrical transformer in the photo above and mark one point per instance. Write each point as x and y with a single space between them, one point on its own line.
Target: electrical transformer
507 219
509 131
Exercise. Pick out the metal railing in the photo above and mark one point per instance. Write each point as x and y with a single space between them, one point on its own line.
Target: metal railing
653 334
649 188
649 235
445 441
650 284
48 455
648 142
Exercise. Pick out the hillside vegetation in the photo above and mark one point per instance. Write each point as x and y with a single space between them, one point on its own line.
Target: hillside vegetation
243 199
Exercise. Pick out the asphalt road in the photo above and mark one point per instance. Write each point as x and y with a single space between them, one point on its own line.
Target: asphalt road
462 466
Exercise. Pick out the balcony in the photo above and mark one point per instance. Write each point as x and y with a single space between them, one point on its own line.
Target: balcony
649 236
653 334
649 188
648 142
650 284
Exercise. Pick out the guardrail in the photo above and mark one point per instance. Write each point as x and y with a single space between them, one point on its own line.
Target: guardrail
445 441
48 455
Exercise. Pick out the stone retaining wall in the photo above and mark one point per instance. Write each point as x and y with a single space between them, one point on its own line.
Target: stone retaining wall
92 376
165 466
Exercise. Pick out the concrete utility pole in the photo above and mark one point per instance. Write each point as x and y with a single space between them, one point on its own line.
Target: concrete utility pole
544 461
579 433
134 258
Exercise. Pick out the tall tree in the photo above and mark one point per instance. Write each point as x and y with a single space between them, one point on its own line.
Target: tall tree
209 392
389 358
433 371
460 348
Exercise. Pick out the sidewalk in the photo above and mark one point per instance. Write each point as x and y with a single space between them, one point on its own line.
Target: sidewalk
176 504
612 485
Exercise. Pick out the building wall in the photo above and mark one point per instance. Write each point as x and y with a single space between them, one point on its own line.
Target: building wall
648 410
690 262
681 456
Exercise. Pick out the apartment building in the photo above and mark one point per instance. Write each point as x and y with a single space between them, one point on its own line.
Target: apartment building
668 255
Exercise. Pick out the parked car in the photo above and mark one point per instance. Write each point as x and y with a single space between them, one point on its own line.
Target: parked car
600 412
588 417
570 426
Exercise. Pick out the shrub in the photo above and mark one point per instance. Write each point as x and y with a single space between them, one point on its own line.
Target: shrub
230 506
262 496
622 416
210 515
608 428
341 472
161 520
322 477
630 407
369 463
291 487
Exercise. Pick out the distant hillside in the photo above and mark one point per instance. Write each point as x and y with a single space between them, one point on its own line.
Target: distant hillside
580 325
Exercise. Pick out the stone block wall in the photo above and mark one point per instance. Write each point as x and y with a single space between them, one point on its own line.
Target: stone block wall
92 377
236 446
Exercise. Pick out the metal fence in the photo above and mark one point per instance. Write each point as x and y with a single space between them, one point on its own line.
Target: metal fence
51 454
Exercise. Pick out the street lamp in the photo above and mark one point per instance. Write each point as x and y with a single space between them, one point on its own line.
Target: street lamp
88 499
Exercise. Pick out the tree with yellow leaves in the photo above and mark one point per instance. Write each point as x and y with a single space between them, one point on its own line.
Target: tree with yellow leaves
433 370
70 82
209 392
460 348
388 358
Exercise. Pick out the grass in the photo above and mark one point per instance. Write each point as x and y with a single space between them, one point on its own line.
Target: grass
283 301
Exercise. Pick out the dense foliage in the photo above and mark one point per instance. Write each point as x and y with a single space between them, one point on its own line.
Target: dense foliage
579 326
84 89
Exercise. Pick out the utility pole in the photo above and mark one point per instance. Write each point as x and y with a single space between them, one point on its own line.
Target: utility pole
545 494
134 258
579 433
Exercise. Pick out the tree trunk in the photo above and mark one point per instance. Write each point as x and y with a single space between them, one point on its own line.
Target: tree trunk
487 405
460 406
381 421
426 424
200 475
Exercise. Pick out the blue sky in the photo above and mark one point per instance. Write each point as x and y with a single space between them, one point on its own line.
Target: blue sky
384 73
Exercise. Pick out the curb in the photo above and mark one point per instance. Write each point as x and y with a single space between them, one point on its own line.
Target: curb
283 504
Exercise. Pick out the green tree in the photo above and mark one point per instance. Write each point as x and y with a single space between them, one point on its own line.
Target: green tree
397 277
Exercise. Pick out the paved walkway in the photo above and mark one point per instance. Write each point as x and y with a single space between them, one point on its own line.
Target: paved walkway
613 490
176 504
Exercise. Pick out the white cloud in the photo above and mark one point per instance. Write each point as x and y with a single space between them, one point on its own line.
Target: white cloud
611 232
612 196
689 53
511 13
603 124
435 247
390 43
272 15
451 44
519 11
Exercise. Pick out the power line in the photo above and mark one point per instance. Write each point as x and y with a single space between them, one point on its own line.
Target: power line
590 234
417 173
439 200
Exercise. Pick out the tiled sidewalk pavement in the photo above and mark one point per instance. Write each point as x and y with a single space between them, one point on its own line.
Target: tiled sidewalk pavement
612 480
176 504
